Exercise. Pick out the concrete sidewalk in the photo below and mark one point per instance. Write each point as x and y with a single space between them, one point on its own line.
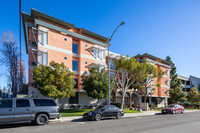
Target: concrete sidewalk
127 115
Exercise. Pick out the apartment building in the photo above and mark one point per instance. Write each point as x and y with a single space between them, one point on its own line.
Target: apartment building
161 94
48 38
189 82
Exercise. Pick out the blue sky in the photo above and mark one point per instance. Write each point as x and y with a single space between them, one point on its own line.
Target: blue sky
157 27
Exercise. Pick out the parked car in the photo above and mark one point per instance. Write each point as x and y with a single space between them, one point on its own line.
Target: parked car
104 112
39 111
173 109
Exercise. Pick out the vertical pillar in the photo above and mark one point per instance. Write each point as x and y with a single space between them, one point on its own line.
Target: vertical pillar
130 100
79 62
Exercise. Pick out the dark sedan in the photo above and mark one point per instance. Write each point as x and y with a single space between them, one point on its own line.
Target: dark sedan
173 109
103 112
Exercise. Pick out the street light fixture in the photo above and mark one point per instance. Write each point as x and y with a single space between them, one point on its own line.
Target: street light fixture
135 100
151 93
108 45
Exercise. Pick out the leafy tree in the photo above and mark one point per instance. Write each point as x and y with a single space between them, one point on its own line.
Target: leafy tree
199 87
177 94
95 83
126 74
147 73
193 95
55 80
176 85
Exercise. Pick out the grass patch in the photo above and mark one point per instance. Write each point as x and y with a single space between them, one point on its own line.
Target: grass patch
157 109
73 112
131 111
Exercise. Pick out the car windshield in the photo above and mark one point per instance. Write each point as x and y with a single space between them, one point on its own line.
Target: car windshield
171 106
99 108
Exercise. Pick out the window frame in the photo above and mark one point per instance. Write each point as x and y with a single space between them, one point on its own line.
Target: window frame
75 45
96 52
43 62
43 37
24 100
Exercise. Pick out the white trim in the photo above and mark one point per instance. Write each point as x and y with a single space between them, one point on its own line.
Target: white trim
99 47
56 49
165 86
91 57
43 29
99 63
70 52
43 50
164 65
75 55
166 76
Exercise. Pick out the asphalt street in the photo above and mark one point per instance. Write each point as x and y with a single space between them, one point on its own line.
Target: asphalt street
178 123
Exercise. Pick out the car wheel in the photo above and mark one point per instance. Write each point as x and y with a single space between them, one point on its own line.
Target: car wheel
118 116
182 111
174 112
97 117
41 119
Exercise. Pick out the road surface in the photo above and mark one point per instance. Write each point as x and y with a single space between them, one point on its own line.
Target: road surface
179 123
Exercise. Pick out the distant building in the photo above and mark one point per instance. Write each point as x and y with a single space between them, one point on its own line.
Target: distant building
189 82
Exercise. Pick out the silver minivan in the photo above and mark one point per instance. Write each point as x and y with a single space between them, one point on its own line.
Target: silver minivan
39 111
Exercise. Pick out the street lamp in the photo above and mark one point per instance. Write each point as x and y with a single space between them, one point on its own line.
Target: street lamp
135 99
108 45
151 93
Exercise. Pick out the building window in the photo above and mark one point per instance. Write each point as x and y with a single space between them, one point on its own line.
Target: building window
168 83
187 82
96 52
75 65
65 39
112 65
43 37
168 73
65 58
86 62
76 83
75 48
102 54
43 58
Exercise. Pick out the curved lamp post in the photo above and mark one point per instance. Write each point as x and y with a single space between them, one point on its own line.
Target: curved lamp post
109 39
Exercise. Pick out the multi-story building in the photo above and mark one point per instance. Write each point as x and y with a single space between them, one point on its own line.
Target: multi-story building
161 94
186 83
189 82
50 39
